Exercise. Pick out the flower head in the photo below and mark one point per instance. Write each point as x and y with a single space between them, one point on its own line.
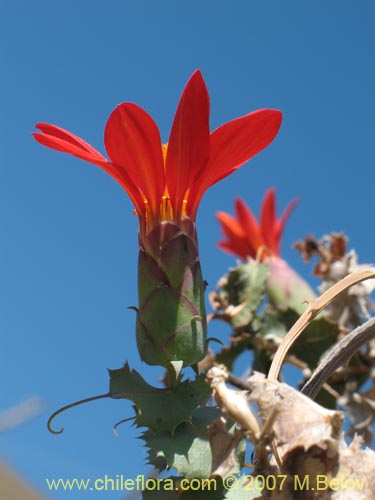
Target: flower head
166 182
246 237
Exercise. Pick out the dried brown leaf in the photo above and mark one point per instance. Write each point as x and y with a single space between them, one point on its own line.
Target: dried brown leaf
223 448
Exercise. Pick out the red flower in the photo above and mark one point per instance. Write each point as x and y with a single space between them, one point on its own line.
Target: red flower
248 238
166 182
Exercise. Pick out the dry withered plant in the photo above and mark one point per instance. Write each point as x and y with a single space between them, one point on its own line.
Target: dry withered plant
300 448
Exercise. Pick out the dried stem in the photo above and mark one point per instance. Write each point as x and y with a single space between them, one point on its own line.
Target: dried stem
233 402
339 355
238 382
313 309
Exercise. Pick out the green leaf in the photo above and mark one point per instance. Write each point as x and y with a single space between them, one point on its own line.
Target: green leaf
275 325
158 409
318 336
262 359
244 290
188 450
326 399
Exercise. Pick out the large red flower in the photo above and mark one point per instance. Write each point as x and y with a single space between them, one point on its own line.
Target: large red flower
166 182
248 238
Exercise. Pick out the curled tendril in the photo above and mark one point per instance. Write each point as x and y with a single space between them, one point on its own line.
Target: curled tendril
123 421
133 308
71 405
214 339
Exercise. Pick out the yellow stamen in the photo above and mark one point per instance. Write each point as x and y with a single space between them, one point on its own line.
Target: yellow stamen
164 149
183 211
166 209
166 213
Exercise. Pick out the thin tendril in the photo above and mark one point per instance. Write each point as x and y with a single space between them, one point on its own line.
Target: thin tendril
71 405
123 421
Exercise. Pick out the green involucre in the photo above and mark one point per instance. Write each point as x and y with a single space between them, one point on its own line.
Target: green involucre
171 319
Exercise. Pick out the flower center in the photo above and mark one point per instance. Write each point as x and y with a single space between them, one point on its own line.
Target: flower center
166 212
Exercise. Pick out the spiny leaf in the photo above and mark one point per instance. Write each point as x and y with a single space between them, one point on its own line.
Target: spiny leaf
158 409
188 449
274 326
313 309
319 335
243 291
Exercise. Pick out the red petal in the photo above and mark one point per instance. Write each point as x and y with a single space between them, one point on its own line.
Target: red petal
280 224
230 227
233 144
250 226
189 142
62 140
268 220
66 142
233 249
132 140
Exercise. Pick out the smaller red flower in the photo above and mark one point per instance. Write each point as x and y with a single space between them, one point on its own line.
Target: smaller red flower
246 237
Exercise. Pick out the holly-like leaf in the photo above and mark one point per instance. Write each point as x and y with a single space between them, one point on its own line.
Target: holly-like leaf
165 489
275 325
188 450
318 336
241 292
158 409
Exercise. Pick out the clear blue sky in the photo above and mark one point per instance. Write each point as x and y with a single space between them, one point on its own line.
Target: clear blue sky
68 239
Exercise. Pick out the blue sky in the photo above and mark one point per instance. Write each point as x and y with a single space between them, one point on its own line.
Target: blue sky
69 241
